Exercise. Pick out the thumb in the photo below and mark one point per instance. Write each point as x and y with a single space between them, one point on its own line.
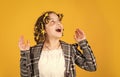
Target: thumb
75 37
28 43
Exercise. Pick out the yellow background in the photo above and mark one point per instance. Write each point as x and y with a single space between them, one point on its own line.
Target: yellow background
100 20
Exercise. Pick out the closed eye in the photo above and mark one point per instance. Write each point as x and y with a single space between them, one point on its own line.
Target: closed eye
52 21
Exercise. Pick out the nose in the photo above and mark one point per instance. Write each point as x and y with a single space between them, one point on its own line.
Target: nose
59 23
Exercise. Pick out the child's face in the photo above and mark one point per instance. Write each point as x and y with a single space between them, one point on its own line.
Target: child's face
54 28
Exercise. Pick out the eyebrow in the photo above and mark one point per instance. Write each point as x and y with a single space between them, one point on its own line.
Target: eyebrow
54 19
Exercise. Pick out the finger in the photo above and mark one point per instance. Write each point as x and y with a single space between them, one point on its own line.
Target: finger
21 40
76 34
21 43
75 37
80 31
79 35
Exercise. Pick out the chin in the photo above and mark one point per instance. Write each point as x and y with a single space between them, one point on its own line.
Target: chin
59 36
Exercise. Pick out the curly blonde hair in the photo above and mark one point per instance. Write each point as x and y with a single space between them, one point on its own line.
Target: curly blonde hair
39 34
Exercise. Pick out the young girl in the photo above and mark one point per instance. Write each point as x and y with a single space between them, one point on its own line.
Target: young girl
52 57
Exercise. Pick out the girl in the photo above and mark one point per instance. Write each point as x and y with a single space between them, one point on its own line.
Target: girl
52 57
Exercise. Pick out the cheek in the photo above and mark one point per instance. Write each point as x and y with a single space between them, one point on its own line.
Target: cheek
62 26
50 30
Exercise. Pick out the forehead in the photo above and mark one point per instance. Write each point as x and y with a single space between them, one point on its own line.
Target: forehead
53 16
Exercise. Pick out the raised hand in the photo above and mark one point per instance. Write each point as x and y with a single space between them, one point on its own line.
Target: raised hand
22 45
79 35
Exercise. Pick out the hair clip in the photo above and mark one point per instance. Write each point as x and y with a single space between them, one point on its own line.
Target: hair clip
42 30
45 17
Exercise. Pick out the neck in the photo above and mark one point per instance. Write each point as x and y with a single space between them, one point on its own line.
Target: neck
52 43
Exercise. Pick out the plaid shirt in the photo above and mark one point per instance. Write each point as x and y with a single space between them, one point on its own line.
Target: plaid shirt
86 60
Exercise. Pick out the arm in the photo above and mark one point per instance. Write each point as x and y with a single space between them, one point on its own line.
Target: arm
24 63
85 60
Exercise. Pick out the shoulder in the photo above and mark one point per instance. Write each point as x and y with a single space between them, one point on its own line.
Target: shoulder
64 43
40 45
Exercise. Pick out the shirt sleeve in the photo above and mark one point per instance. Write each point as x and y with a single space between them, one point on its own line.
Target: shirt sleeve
84 59
24 63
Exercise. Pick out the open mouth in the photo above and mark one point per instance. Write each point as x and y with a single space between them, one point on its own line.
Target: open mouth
58 30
